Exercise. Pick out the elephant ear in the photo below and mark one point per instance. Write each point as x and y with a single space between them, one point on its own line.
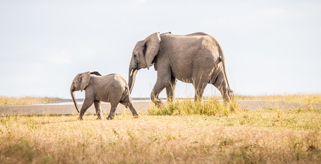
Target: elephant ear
95 73
152 43
85 79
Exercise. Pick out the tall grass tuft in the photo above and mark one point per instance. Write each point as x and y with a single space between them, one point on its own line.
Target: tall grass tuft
209 107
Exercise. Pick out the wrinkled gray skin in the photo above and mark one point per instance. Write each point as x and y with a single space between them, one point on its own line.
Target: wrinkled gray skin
194 58
111 88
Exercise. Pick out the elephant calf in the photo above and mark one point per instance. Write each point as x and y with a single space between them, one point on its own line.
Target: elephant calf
111 88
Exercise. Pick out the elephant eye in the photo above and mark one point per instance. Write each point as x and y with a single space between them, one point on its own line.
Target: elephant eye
135 56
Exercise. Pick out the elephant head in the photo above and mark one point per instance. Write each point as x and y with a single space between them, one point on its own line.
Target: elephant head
80 82
143 56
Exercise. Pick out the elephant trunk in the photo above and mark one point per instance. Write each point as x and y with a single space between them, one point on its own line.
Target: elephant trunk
131 78
73 97
132 74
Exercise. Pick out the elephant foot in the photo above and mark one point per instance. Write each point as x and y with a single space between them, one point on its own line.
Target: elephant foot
110 118
98 118
159 104
80 118
136 116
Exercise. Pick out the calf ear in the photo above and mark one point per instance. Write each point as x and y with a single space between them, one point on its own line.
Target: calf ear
85 79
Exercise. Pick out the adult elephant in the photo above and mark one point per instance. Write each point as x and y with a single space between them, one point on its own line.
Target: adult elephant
194 58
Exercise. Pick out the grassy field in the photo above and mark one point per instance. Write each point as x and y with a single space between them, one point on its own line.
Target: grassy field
257 136
4 100
183 132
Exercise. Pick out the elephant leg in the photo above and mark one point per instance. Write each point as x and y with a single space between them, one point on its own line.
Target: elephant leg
222 86
98 109
87 103
128 103
159 86
170 90
113 107
163 80
133 110
199 90
199 84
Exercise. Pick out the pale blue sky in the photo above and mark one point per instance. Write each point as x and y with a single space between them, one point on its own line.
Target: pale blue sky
271 47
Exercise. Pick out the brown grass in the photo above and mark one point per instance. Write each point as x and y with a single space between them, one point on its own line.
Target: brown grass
260 136
23 100
298 98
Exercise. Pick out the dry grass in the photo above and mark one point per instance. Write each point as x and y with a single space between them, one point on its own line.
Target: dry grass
182 132
260 136
23 100
298 98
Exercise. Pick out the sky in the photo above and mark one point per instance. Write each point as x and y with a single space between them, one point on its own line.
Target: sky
271 47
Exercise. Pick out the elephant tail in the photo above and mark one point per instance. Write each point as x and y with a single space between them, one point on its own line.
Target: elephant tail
222 59
125 95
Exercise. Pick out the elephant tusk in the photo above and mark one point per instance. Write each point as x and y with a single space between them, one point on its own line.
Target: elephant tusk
131 72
